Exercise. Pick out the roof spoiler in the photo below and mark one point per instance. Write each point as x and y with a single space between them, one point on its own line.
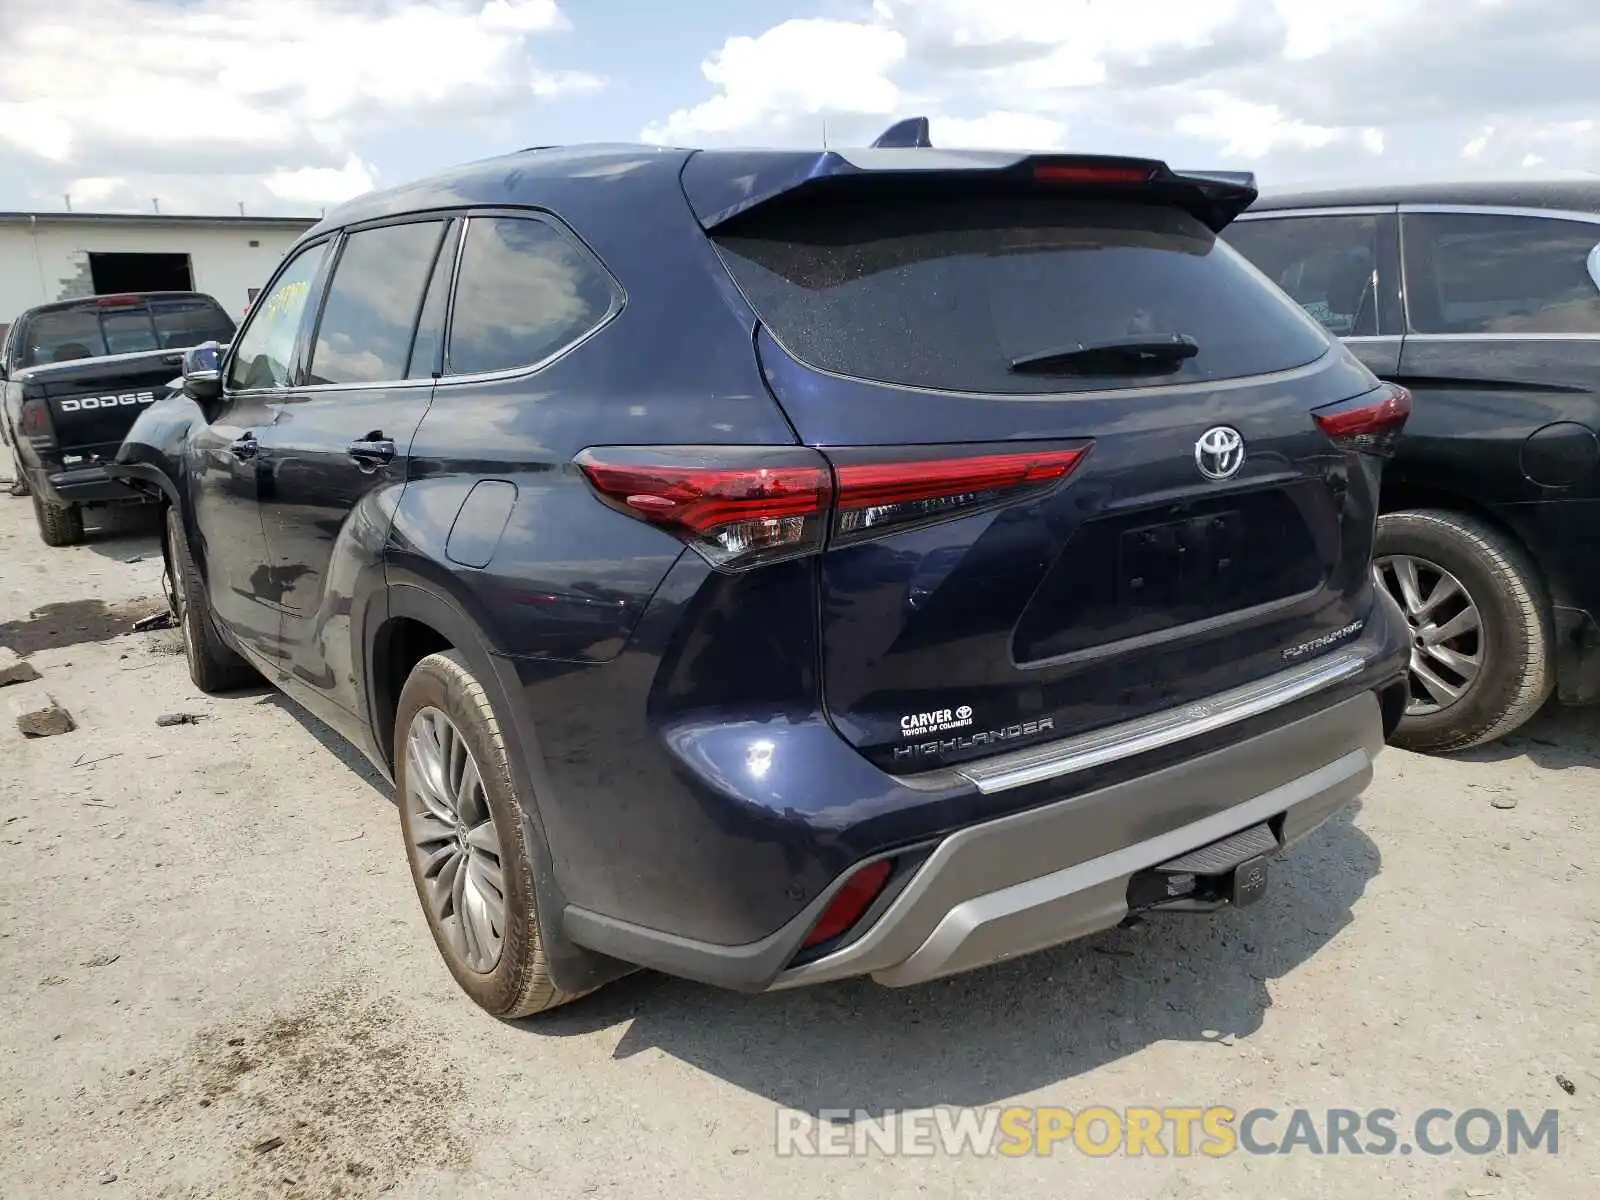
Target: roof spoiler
724 185
910 134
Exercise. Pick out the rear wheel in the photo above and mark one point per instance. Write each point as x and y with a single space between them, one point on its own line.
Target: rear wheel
462 825
214 666
59 524
1480 628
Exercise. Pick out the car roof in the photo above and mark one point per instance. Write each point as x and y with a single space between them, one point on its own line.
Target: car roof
1569 195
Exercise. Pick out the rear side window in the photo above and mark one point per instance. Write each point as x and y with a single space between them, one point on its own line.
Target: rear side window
364 335
1488 273
945 294
525 291
1328 265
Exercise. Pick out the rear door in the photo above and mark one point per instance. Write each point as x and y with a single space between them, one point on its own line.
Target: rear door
1341 265
1207 535
335 452
1504 360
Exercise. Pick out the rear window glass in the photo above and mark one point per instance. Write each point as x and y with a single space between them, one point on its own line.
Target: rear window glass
946 294
93 331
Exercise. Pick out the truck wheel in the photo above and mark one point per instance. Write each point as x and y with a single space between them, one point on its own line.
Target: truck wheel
462 826
59 525
1480 628
214 666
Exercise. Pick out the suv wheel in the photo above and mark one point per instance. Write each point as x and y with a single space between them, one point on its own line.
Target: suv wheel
214 666
59 524
462 826
1480 628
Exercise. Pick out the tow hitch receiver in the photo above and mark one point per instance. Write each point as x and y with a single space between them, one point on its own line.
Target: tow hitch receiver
1248 883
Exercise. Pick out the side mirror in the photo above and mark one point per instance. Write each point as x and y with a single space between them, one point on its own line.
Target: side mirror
202 374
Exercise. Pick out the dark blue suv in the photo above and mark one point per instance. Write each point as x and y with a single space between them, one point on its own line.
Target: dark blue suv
771 567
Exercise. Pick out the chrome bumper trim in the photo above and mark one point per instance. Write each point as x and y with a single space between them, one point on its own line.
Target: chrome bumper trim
1036 764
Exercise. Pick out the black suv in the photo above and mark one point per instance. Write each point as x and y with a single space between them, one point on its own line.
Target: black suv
1484 301
773 567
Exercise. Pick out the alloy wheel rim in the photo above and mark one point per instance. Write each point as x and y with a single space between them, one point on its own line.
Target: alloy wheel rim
1446 629
454 840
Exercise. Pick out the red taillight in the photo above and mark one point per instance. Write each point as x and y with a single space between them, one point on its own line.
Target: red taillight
918 488
118 301
737 506
740 506
34 419
1369 424
1091 173
849 902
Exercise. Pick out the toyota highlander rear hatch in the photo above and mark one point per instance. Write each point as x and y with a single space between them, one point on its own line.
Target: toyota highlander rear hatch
1087 462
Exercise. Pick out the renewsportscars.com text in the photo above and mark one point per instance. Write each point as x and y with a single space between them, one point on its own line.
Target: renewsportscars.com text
1213 1131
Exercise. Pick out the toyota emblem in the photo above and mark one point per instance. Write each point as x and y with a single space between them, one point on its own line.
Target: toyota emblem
1219 453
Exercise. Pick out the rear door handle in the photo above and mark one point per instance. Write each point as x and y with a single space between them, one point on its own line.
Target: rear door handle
372 452
245 448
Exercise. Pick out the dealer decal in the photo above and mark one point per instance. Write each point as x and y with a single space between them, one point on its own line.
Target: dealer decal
940 720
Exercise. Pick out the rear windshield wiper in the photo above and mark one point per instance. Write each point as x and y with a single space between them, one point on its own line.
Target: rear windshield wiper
1142 356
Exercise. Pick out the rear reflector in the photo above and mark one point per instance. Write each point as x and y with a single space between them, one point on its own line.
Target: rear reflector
916 488
1368 424
741 506
849 902
736 506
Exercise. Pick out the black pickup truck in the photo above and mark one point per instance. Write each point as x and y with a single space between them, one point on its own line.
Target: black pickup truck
76 375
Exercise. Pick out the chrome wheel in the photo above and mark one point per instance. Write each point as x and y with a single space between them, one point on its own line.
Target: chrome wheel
1446 630
453 836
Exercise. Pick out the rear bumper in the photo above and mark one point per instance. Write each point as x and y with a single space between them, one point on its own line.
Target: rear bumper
80 485
983 895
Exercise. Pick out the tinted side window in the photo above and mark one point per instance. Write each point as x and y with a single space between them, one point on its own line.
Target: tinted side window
1327 264
364 335
525 291
1486 273
264 352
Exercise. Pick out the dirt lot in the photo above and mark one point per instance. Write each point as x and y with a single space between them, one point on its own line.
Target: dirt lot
218 982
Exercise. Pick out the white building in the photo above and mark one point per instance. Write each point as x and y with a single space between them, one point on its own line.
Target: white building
60 256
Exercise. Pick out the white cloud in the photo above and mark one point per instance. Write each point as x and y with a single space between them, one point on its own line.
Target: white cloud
998 130
801 68
1289 88
234 89
312 185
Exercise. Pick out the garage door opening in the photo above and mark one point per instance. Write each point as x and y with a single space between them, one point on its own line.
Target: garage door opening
113 273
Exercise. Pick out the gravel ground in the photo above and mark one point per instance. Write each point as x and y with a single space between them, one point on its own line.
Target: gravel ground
218 982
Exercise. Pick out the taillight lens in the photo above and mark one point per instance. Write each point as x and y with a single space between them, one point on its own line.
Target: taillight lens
736 506
916 486
849 902
1370 423
34 419
740 506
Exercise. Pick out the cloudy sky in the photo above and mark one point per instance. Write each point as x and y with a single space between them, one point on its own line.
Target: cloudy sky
290 105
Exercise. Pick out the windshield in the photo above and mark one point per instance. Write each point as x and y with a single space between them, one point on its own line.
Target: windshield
96 329
948 295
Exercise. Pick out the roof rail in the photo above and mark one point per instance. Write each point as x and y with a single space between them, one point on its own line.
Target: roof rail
910 134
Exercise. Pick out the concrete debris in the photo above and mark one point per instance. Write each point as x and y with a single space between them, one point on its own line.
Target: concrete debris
43 717
14 669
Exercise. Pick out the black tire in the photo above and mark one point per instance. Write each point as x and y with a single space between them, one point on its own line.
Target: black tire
214 666
59 525
1517 670
519 983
